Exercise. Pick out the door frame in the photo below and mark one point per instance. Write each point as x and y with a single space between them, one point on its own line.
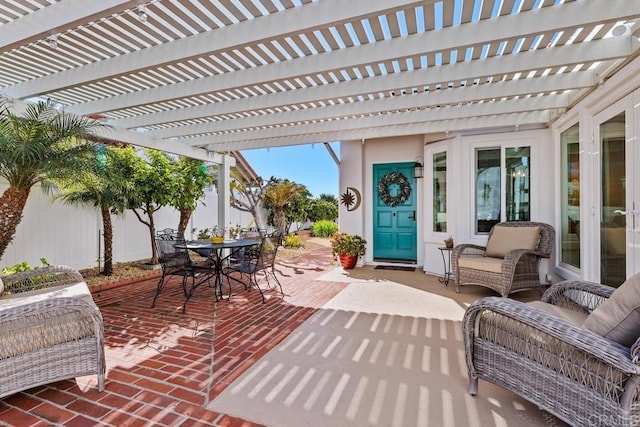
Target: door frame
416 189
590 253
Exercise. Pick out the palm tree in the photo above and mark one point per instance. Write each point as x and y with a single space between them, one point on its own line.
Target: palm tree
37 147
105 187
279 195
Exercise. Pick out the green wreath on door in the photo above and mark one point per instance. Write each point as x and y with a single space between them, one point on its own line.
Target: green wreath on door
390 179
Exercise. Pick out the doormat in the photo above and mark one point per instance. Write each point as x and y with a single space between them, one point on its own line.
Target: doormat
394 267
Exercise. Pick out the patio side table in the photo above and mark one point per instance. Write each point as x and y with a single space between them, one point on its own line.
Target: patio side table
446 260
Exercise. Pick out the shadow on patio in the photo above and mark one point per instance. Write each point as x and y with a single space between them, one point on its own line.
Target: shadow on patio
161 369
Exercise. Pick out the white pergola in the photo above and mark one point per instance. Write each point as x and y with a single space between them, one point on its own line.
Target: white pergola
206 77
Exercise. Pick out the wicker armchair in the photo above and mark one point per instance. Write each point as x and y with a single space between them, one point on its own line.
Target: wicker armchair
544 352
50 329
512 268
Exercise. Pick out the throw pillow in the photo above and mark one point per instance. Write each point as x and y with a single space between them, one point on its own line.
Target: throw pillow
1 286
505 239
618 318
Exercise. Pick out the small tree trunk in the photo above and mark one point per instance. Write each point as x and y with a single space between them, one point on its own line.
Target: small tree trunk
280 221
12 204
152 233
107 269
257 218
185 216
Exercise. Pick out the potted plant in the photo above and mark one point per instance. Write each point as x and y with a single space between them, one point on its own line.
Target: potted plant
448 242
348 247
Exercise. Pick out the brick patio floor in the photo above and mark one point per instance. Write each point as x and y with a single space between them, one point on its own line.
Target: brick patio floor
161 367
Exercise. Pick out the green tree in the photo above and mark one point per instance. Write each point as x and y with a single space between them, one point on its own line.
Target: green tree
151 188
329 198
103 185
298 210
37 147
320 209
190 179
280 194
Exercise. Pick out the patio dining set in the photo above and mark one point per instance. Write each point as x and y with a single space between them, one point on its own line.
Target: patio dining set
254 252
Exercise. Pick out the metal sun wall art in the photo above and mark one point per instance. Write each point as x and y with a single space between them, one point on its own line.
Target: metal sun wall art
351 199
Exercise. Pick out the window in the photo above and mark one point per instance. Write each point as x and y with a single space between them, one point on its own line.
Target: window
488 200
489 192
570 201
517 183
440 192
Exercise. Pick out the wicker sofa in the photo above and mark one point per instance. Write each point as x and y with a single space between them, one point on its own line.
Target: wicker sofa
509 262
50 329
575 354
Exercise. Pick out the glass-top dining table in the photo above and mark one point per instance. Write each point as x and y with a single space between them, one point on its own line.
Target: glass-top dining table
232 245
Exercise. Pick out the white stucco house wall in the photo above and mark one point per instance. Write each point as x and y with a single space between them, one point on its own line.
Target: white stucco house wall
607 119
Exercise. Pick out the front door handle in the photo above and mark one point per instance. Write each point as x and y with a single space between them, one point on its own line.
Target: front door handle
413 216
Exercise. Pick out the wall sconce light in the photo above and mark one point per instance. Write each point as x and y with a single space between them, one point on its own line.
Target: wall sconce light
418 168
142 13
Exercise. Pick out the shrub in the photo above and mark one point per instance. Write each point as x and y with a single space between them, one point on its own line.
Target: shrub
292 241
324 228
322 210
22 267
348 244
203 234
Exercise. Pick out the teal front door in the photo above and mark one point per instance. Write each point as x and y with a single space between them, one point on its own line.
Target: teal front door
394 212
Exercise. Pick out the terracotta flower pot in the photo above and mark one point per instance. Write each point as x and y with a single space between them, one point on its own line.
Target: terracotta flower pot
348 261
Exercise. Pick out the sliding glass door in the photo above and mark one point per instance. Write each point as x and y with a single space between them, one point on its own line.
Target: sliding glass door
616 207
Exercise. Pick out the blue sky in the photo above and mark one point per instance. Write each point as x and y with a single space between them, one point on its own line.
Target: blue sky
310 165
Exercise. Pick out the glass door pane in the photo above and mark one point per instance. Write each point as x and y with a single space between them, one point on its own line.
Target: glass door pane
517 169
570 201
440 192
613 242
488 200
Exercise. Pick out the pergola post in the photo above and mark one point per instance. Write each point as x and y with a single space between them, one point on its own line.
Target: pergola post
224 190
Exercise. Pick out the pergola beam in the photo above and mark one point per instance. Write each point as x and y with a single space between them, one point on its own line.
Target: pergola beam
57 18
536 22
511 121
462 95
370 121
142 140
538 59
294 20
136 138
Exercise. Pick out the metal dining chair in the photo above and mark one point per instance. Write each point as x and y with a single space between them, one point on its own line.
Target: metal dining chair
258 258
175 261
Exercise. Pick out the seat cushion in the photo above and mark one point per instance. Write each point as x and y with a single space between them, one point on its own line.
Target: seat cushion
618 318
574 317
505 239
44 329
479 262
